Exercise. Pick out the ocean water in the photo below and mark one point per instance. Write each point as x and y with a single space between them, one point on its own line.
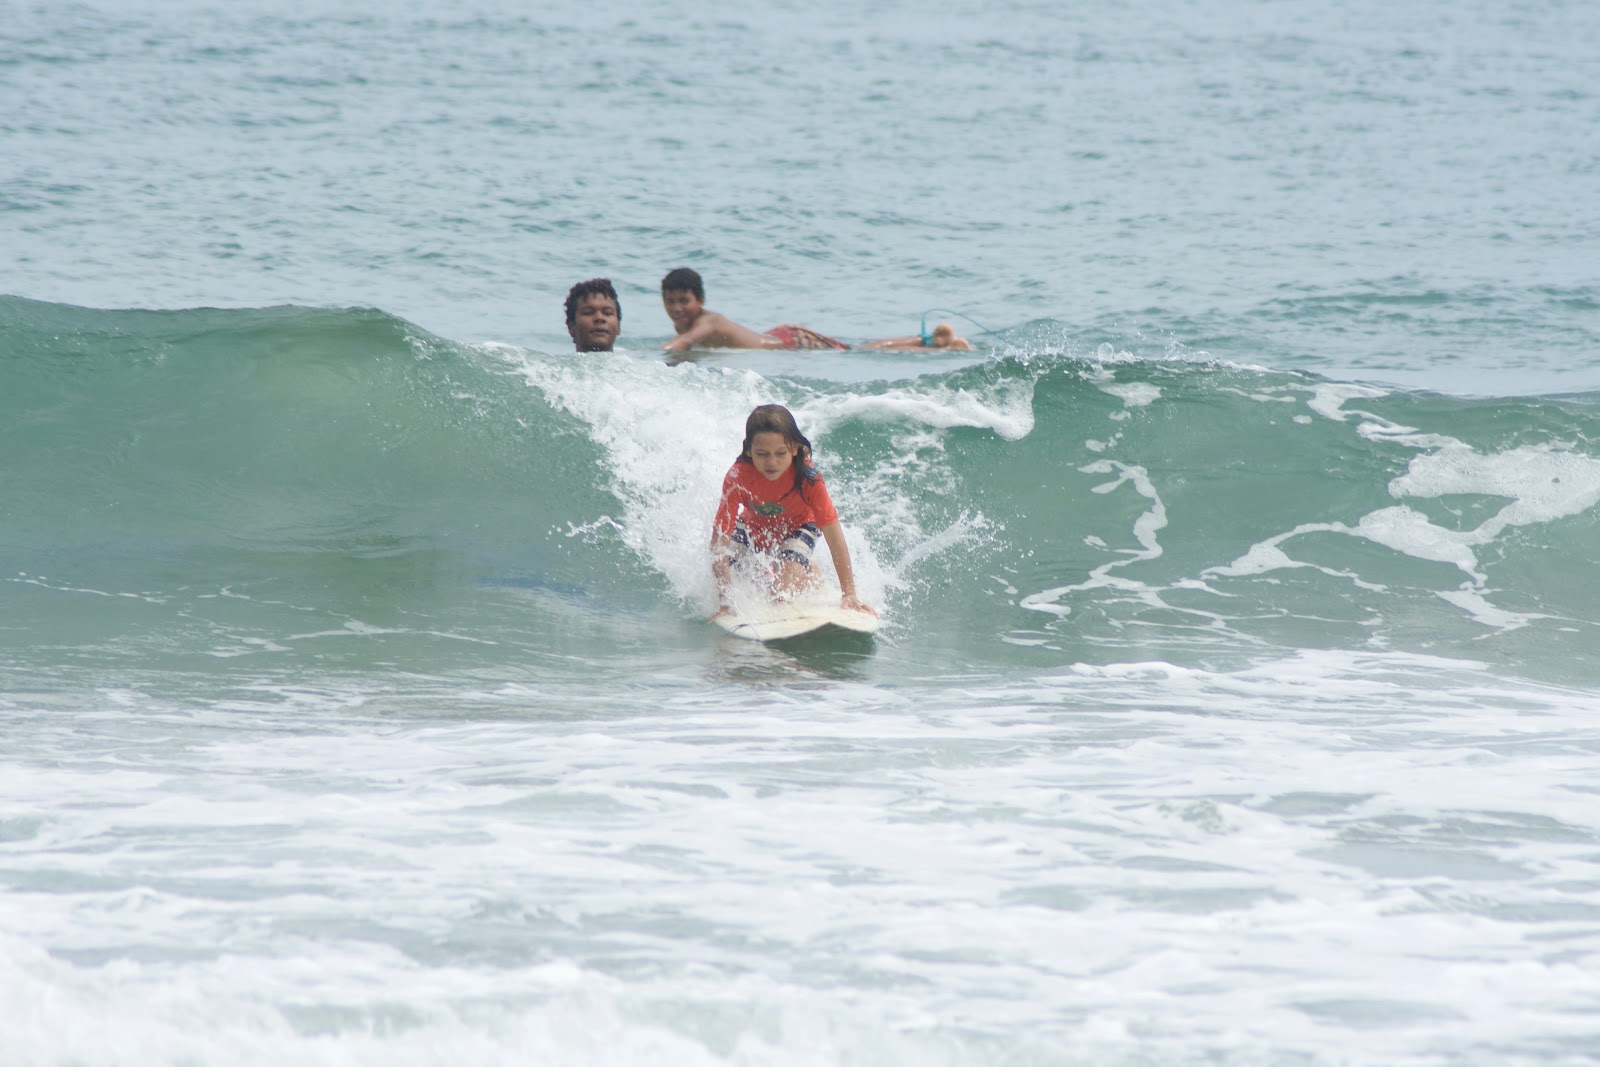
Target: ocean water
1237 699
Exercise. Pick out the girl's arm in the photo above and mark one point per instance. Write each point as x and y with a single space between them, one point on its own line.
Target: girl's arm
841 563
721 547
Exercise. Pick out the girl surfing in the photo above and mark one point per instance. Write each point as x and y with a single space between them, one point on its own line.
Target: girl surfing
775 503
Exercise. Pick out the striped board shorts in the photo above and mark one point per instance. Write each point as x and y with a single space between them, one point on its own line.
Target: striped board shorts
798 546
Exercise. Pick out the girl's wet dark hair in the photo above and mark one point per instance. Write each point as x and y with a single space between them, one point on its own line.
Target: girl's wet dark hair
775 418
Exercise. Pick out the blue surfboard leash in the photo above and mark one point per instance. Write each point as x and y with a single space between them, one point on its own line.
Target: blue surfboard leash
927 338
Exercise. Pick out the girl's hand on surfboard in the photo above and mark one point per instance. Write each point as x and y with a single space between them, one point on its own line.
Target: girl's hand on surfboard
849 601
722 609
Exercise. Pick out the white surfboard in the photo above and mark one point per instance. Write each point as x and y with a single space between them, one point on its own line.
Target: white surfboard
775 622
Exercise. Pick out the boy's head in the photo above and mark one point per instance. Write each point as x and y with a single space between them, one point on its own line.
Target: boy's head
684 297
592 287
594 315
685 279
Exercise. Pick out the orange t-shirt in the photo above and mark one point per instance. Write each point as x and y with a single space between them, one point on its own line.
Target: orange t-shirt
771 509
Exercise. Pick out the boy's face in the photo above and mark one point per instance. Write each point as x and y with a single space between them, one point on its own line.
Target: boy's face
595 323
683 307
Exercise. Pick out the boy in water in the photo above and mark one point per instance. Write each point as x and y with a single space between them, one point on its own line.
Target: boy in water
594 315
684 296
943 336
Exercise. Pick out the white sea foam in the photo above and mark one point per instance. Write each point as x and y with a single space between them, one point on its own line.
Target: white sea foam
1145 530
1007 409
671 432
1329 399
1118 860
1133 394
1542 483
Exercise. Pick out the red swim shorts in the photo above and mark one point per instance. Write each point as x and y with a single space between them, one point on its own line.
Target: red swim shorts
800 337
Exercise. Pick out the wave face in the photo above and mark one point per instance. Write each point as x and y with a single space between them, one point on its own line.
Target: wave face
1030 507
1214 707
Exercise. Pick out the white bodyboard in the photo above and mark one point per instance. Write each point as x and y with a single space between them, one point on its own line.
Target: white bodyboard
774 622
